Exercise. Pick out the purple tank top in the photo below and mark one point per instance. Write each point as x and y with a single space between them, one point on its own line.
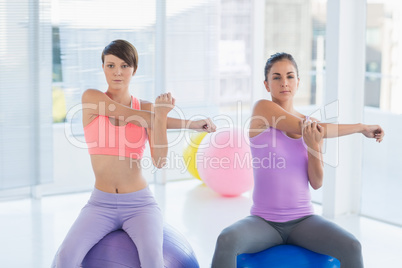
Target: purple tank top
281 187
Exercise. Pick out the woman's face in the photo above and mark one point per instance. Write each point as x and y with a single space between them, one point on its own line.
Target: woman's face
282 80
118 73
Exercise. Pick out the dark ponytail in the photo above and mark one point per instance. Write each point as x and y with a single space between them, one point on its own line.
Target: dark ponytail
278 57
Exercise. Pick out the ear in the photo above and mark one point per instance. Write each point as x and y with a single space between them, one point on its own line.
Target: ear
134 72
267 86
298 81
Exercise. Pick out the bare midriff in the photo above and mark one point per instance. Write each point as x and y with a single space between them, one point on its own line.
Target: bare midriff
117 174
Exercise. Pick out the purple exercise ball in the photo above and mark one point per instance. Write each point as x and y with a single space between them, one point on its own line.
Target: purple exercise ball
117 250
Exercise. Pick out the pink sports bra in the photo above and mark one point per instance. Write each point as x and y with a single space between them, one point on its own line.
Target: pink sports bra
104 138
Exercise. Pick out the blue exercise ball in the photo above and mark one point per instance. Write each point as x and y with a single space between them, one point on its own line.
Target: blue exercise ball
286 256
117 250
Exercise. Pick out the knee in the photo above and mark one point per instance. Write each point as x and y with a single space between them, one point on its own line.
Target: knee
227 238
150 255
62 258
151 250
349 250
354 246
65 258
150 247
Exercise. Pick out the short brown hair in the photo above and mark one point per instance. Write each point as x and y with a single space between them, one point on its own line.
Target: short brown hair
123 50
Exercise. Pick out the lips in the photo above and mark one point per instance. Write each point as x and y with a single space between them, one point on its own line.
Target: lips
286 91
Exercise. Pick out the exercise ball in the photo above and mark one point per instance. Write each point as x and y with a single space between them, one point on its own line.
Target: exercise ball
190 151
286 256
117 250
224 162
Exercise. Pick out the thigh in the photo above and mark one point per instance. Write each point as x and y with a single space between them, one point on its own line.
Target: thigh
323 236
92 224
248 235
251 234
145 228
147 222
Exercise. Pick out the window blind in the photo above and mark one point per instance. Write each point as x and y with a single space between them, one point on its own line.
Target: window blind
25 93
190 36
83 36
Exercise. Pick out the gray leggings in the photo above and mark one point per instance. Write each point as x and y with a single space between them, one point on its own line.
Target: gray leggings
253 234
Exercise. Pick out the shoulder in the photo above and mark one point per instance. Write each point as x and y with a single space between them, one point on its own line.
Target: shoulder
91 95
146 105
264 106
260 115
263 102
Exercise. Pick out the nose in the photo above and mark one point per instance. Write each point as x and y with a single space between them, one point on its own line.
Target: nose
117 71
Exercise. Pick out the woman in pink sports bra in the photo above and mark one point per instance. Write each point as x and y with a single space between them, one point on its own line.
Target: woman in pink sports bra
282 211
116 127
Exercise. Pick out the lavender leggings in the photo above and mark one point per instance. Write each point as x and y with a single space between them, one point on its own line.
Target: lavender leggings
136 213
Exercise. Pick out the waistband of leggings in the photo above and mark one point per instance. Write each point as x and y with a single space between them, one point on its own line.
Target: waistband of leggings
101 195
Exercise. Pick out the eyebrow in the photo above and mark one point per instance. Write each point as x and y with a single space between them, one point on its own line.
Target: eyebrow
280 74
108 62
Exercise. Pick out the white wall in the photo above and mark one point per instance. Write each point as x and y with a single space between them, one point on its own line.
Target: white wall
72 166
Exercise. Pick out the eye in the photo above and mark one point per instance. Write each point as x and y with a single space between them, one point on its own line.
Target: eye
291 76
125 66
110 66
276 78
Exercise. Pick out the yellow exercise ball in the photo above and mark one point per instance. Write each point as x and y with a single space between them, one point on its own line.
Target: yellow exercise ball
190 152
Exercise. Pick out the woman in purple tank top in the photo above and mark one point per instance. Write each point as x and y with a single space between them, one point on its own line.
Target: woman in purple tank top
282 212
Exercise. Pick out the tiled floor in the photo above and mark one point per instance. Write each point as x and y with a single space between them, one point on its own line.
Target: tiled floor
32 230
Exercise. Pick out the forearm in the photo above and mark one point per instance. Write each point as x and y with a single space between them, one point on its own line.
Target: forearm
338 130
315 167
95 103
148 120
160 141
176 123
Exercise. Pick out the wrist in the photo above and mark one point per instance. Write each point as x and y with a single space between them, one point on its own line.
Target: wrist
361 128
190 124
315 147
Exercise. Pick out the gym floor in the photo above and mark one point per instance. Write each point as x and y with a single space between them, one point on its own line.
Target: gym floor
32 230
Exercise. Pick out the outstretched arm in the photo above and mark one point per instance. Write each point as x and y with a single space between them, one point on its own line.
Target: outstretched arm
269 114
338 130
97 103
200 125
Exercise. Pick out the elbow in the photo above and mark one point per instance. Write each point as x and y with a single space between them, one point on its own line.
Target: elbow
160 162
316 185
160 166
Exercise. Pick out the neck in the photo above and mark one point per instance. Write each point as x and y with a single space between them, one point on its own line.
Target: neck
120 97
